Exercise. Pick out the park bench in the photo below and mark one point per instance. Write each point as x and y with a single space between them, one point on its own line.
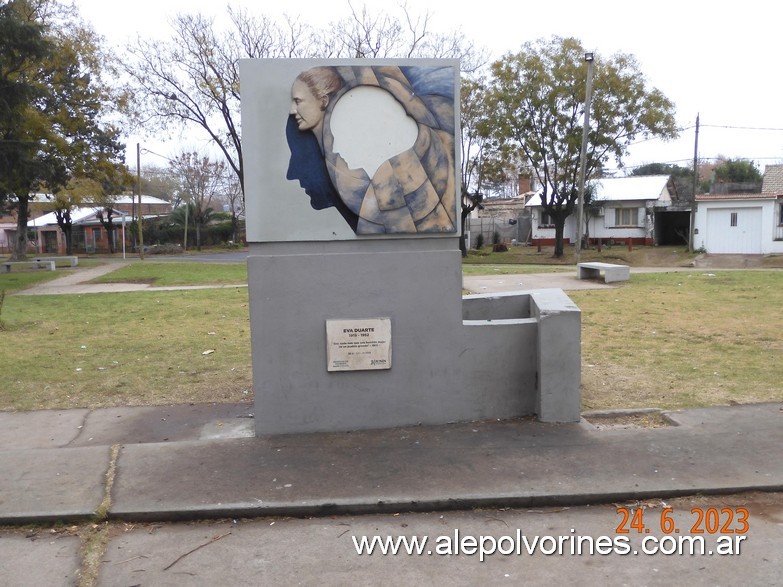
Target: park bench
611 271
6 266
74 260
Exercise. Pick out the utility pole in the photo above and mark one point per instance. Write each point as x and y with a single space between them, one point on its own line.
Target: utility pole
692 234
185 238
580 210
138 191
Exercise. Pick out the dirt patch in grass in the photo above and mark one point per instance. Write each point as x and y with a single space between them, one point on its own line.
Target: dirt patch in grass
635 257
626 420
511 269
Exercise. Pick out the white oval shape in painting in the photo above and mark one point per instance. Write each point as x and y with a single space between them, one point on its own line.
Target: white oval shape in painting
369 127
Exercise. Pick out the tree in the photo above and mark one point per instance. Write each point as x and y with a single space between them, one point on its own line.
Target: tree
233 197
474 138
52 131
22 41
484 168
536 101
159 182
202 180
470 201
737 171
192 79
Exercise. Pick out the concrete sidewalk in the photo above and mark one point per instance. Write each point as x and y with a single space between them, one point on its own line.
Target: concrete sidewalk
77 283
201 461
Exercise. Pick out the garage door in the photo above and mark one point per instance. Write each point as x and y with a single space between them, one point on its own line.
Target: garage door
734 230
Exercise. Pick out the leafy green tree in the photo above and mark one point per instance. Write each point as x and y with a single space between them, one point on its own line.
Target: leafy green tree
52 65
22 40
536 101
737 171
474 130
485 168
65 202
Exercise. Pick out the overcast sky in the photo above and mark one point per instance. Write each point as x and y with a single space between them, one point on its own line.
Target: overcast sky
722 61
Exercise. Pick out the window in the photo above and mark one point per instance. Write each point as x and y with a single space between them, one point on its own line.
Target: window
780 213
626 217
545 220
733 219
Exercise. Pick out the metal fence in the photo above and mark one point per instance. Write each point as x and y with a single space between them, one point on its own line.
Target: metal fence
509 230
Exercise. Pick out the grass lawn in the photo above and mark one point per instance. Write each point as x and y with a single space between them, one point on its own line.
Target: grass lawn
118 349
173 273
24 278
677 340
511 269
20 279
667 340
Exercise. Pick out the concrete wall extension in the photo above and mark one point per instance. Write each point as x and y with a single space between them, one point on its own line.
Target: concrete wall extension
491 356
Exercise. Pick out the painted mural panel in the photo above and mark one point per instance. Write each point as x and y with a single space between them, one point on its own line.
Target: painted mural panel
349 149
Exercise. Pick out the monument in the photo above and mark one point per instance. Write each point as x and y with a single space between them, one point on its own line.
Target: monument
356 307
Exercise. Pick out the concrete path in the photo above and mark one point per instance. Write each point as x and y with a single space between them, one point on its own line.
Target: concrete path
202 461
294 509
77 283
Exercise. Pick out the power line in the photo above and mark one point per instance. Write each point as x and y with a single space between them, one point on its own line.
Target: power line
743 127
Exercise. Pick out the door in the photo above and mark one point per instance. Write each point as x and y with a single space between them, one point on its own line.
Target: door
734 230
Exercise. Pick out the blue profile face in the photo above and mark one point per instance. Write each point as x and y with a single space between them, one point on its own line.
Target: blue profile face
307 165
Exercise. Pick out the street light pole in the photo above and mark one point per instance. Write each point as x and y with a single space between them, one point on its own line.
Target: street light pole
138 191
583 156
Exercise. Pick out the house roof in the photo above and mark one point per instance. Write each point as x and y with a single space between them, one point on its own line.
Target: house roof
773 180
641 187
78 216
48 198
615 189
144 200
720 197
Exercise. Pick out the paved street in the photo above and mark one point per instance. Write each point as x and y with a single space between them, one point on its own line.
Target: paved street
322 551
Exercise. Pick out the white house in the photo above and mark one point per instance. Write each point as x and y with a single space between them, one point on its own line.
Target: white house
89 235
743 223
624 209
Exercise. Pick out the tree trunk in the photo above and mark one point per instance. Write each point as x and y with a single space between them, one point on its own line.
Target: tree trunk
464 214
108 224
68 232
559 230
20 242
110 236
235 227
198 236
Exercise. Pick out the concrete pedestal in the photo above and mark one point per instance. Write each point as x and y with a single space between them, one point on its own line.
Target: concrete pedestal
446 366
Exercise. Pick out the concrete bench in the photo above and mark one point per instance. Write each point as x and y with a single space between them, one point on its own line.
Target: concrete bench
6 266
611 271
74 261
